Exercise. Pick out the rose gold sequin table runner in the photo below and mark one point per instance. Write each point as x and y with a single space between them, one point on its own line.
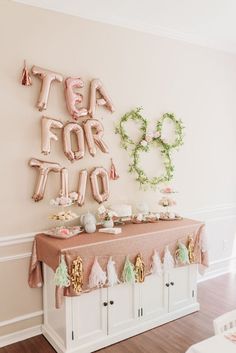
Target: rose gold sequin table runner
135 238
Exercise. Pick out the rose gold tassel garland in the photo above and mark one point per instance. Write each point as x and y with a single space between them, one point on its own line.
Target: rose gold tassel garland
77 275
26 79
139 269
113 172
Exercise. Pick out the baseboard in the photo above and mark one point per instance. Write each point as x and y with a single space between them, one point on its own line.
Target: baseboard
20 335
219 268
21 318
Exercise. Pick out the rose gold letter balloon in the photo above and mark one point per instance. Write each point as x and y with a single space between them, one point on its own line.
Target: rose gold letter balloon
43 169
47 77
96 85
89 126
67 130
73 98
103 174
46 133
64 182
83 176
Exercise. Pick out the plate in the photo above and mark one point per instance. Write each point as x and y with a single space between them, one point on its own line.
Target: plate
63 232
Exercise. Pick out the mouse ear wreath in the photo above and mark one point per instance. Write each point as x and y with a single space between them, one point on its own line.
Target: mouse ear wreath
148 140
134 115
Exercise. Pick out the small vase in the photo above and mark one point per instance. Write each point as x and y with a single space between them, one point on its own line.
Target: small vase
90 227
108 224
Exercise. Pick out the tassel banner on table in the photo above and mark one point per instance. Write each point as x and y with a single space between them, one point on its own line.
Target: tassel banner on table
191 250
128 274
168 261
112 278
26 78
61 277
77 274
97 277
139 269
156 268
113 173
181 254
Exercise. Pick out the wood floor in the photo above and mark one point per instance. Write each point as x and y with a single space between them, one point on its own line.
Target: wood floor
216 297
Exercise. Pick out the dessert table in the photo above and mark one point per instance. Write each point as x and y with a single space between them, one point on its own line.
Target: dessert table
215 344
134 239
85 322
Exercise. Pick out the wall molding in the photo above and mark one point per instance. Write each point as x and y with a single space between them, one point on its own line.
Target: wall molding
21 318
9 240
214 213
15 257
20 335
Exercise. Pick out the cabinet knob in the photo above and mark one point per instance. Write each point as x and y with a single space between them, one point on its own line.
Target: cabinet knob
111 302
172 283
105 303
167 284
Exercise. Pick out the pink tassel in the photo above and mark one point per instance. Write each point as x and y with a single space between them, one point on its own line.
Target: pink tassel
113 172
25 78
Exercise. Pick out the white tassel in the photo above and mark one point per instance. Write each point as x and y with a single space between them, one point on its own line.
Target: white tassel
168 261
156 268
112 277
97 277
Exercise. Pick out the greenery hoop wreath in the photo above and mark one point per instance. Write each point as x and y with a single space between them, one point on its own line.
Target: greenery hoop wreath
147 141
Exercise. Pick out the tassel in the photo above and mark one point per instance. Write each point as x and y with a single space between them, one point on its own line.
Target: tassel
181 254
168 261
61 277
112 277
156 268
128 274
25 78
113 172
97 277
191 250
139 269
77 274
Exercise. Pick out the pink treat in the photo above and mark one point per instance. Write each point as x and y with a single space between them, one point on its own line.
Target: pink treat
64 231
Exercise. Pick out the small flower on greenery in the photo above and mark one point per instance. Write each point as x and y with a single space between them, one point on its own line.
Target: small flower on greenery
144 143
149 137
156 134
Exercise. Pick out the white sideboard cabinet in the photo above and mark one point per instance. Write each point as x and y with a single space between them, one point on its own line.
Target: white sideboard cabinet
104 316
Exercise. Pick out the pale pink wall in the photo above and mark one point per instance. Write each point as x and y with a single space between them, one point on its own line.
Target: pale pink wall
198 84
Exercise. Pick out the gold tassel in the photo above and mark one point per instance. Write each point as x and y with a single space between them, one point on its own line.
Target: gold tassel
113 172
25 78
77 275
190 248
139 269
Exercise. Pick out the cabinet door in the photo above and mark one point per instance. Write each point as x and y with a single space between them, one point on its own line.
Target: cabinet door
153 297
122 307
182 287
89 316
